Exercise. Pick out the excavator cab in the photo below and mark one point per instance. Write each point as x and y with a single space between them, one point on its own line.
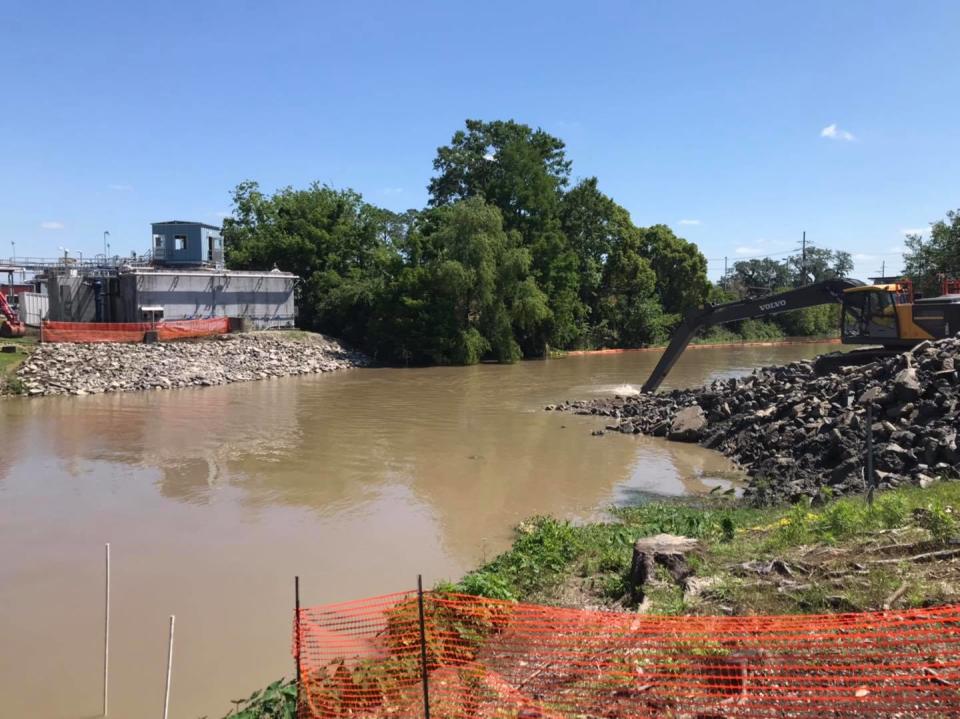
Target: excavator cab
870 314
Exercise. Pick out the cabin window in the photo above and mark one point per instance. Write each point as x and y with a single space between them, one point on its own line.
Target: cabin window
870 315
158 242
179 242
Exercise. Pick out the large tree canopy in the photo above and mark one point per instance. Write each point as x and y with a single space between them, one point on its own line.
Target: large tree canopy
507 260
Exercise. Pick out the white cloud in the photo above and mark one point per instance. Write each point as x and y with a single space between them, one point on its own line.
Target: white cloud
832 132
914 231
51 225
689 222
391 190
223 214
121 188
749 250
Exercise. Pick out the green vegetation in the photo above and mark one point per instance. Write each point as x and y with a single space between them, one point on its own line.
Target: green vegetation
277 701
939 255
763 275
506 261
10 361
844 555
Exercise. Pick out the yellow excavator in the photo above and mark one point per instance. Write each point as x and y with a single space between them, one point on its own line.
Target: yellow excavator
889 317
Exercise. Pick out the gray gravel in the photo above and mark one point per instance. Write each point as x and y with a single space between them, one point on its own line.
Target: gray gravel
81 369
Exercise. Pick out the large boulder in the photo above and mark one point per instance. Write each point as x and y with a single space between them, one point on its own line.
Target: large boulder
688 425
906 385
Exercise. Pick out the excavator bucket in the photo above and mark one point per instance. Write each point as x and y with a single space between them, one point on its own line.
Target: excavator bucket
9 330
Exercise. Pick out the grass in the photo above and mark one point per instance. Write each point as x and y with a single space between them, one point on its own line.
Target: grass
842 555
9 362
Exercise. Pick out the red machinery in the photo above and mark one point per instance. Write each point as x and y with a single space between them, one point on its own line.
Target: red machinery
13 327
950 286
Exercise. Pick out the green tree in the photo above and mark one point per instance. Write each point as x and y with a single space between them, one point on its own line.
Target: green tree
468 298
680 267
764 273
630 313
333 240
522 172
819 264
926 262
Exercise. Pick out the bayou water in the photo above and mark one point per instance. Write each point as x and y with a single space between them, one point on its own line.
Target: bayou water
213 499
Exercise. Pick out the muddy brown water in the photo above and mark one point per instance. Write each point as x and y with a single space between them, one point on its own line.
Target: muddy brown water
213 499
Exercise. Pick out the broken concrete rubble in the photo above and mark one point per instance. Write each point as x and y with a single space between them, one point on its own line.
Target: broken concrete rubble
796 432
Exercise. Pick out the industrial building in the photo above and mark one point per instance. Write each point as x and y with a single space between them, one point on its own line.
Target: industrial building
182 277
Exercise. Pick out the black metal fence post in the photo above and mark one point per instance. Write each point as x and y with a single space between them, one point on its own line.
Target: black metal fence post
296 625
871 475
423 650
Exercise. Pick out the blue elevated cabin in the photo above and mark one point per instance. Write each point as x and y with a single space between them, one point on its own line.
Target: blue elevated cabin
179 243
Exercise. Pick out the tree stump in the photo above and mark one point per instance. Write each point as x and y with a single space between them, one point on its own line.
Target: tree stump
667 550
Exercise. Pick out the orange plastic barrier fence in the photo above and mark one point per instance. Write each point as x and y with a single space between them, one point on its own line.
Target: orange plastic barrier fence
182 329
489 659
132 331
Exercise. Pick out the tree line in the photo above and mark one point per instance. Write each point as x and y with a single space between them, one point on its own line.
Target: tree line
764 275
508 260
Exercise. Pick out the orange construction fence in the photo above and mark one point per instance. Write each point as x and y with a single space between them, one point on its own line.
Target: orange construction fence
486 658
132 331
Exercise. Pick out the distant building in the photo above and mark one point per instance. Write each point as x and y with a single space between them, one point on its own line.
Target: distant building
184 279
177 242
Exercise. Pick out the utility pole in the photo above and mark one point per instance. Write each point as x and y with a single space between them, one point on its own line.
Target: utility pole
883 268
106 246
803 259
724 272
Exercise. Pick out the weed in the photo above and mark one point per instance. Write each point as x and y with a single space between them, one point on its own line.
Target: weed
939 519
277 701
891 510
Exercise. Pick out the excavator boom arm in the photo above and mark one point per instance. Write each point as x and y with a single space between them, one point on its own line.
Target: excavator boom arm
6 310
819 293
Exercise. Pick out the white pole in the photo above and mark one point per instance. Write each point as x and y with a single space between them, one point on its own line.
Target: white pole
106 636
166 696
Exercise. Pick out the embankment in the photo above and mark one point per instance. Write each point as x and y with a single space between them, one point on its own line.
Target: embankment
81 369
796 432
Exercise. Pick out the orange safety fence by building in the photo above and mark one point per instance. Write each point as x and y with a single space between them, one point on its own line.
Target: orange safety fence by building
182 329
487 659
132 331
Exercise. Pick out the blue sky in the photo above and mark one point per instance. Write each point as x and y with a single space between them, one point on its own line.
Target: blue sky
713 118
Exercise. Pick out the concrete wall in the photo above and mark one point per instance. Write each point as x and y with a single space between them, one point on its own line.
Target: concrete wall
266 299
70 300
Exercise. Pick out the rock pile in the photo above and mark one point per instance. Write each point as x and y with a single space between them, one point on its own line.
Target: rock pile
81 369
795 432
